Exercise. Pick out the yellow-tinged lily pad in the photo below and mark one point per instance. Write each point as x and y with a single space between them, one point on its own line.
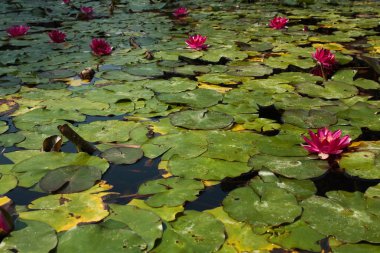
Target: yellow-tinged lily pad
65 211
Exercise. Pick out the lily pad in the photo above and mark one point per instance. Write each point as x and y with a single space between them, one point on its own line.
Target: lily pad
206 168
364 162
192 232
96 238
65 211
199 98
292 167
145 223
30 236
123 155
171 191
68 179
204 119
262 204
343 215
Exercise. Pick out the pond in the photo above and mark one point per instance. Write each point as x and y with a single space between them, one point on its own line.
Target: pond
189 126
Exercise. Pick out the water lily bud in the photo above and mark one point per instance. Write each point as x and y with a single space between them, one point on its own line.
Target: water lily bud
87 74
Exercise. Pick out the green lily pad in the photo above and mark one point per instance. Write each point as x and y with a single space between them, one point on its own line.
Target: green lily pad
3 127
166 213
184 144
330 90
70 179
171 191
8 140
297 235
240 235
123 155
199 98
364 162
203 119
206 168
192 232
30 236
96 238
7 183
291 167
31 170
309 118
344 215
145 223
262 203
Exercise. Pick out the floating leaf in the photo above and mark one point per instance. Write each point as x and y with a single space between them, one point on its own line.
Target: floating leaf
343 215
31 170
125 155
262 203
170 192
166 213
145 223
203 119
206 168
192 232
97 237
30 236
363 162
65 211
68 179
292 167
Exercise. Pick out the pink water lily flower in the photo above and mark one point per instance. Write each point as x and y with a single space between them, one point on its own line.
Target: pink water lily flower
17 30
57 36
326 143
278 23
66 1
197 42
324 57
100 47
87 11
180 12
5 222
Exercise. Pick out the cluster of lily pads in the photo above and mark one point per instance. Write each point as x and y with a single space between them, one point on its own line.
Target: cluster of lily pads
235 111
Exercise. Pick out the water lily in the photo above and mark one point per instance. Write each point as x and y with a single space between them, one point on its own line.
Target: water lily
17 30
180 12
100 47
326 142
87 12
197 42
5 222
57 36
324 57
66 1
278 23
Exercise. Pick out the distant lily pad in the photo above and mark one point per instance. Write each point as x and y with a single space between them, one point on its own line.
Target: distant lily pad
70 179
124 155
171 191
204 119
199 98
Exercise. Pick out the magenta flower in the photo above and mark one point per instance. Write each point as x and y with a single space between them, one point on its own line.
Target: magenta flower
57 36
17 30
87 11
197 42
326 143
278 23
180 12
324 57
5 222
66 1
100 47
